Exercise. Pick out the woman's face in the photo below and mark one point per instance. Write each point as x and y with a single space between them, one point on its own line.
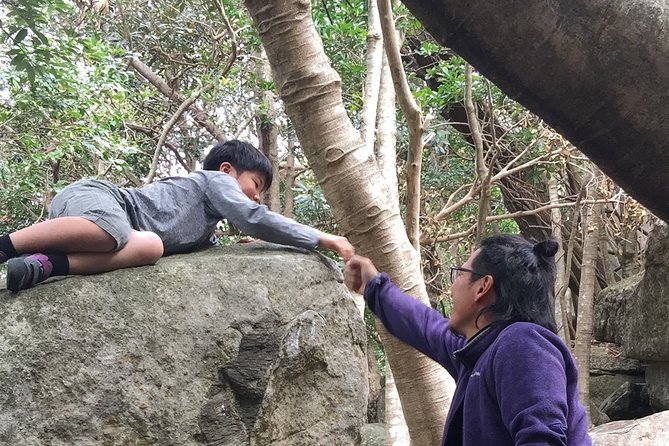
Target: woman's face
464 307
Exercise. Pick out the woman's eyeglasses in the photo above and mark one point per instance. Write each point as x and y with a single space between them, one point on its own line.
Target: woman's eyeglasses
455 271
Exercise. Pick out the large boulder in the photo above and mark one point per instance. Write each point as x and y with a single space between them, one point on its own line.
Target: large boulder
616 379
647 333
648 431
609 317
245 345
627 402
657 376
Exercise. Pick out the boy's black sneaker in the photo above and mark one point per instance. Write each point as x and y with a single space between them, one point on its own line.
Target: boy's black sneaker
26 272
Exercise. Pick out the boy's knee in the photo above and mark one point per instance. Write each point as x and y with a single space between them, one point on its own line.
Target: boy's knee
150 247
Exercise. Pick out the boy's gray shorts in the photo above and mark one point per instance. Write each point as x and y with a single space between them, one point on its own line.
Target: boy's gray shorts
98 201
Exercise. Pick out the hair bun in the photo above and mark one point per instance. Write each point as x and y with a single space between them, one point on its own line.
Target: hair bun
546 248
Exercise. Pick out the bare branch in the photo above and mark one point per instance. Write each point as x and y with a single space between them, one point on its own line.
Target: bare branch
412 114
482 171
166 130
570 256
233 37
199 115
374 63
518 214
474 188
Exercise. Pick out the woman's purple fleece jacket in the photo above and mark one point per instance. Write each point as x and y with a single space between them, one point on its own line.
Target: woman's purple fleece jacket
516 382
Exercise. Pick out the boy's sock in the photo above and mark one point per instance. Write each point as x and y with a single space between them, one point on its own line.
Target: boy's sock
25 272
7 250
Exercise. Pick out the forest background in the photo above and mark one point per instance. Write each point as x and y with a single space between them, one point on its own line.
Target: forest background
136 91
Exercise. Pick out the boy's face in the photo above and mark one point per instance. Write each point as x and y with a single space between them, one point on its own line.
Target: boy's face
252 182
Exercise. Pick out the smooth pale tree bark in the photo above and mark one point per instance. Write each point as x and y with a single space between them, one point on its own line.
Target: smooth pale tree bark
592 69
413 116
397 433
374 63
386 130
290 174
350 179
378 119
592 224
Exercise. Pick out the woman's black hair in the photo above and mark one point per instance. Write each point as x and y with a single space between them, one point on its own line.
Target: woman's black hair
524 278
242 156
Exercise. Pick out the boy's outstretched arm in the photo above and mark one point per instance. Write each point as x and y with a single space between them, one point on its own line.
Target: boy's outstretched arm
225 197
336 243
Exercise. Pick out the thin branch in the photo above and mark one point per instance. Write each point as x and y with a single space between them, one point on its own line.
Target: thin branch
570 254
233 37
244 127
447 210
482 171
166 130
327 11
412 114
132 177
503 173
199 115
517 214
374 62
152 134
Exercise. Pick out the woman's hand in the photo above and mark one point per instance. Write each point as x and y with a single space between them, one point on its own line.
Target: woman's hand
359 270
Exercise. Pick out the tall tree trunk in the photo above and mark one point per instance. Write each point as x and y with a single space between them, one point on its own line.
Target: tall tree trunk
290 173
374 63
414 118
386 131
482 172
397 433
349 176
592 223
589 68
267 131
561 315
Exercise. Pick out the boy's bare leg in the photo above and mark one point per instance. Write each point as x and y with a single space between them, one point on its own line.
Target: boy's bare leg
143 248
64 234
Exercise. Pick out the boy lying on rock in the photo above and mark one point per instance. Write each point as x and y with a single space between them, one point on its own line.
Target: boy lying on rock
95 226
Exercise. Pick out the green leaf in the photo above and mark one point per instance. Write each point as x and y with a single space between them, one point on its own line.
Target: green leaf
42 38
30 72
18 60
18 38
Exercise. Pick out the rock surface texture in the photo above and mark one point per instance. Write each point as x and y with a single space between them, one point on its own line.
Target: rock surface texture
647 431
244 345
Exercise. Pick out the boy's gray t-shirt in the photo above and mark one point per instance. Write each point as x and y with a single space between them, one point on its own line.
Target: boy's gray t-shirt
184 212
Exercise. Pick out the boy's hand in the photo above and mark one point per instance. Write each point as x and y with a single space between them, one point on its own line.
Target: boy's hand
359 270
338 244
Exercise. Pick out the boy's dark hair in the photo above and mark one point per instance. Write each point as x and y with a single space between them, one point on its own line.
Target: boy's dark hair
524 278
242 156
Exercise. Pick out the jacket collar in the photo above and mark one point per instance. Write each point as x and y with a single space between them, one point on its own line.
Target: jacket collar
479 343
